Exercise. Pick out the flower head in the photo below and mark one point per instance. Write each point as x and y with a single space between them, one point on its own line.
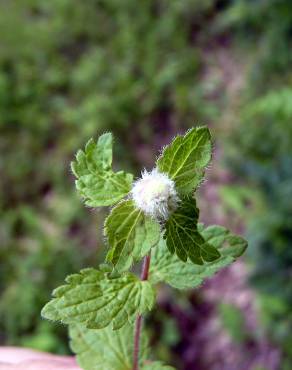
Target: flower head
155 194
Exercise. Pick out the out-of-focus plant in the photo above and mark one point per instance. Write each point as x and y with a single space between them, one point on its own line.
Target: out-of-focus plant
268 163
262 155
67 70
155 219
264 29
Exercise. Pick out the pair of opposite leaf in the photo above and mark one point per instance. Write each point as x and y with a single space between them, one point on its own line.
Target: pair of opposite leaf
161 201
159 212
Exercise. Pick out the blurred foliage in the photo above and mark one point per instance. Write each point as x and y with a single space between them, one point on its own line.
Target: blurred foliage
73 69
233 321
262 27
262 155
70 70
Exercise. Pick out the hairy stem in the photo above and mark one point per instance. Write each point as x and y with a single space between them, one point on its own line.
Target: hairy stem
138 323
137 333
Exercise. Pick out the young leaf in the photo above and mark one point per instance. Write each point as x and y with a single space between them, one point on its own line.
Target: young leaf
96 182
183 238
185 159
105 349
97 299
218 235
170 269
130 233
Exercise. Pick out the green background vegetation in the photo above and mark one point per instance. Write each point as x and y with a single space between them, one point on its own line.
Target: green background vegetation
144 70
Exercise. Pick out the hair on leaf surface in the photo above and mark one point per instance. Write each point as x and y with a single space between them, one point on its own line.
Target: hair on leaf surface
154 219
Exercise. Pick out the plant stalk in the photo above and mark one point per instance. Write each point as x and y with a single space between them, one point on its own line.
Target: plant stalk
139 319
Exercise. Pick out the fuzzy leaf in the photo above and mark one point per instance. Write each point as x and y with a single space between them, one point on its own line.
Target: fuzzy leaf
97 298
182 235
130 233
96 182
185 159
105 349
170 269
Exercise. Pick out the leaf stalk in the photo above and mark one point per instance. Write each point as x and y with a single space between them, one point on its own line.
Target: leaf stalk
139 319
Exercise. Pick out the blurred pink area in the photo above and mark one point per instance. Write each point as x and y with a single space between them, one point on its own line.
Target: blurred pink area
13 358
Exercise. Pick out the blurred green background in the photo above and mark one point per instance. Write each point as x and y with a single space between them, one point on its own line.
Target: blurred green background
146 70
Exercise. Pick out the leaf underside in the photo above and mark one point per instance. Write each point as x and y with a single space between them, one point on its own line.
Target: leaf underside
182 235
185 159
168 268
131 234
96 299
96 182
105 349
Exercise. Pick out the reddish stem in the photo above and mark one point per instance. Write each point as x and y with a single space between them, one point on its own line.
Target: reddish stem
137 333
138 323
145 268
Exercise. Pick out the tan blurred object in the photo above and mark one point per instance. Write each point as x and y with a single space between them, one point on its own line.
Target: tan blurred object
12 358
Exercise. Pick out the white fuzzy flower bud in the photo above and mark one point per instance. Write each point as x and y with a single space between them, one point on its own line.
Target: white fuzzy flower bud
155 194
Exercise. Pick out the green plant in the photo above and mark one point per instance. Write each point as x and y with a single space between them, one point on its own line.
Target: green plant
67 71
155 219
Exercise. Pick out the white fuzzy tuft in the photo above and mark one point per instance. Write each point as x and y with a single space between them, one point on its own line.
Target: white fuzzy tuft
155 194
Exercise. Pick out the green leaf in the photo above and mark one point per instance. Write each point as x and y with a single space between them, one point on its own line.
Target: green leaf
219 236
96 182
182 235
99 298
131 234
157 366
105 349
170 269
185 159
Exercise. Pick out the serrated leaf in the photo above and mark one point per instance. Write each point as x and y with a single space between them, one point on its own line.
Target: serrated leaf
96 182
105 349
185 159
97 298
157 366
182 235
131 234
218 235
170 269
